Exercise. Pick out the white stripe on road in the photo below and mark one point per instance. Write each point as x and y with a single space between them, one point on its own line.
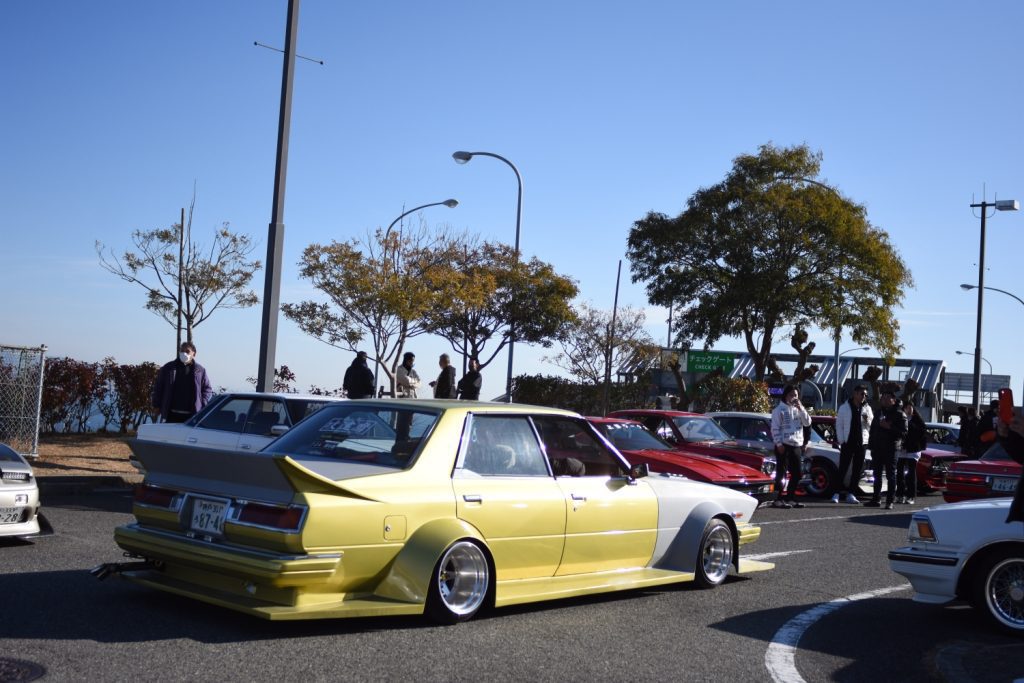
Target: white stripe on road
821 519
780 659
765 556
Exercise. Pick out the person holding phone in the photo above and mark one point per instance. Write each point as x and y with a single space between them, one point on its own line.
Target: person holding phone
788 421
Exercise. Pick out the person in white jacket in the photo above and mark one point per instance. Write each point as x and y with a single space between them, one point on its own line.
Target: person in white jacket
788 421
852 424
407 379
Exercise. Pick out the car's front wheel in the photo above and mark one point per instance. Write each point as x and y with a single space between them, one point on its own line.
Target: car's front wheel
459 583
822 478
998 589
714 556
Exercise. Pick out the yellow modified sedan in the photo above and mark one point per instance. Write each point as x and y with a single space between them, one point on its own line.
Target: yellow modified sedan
393 507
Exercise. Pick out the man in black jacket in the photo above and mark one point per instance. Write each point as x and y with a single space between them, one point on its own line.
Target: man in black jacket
358 378
887 430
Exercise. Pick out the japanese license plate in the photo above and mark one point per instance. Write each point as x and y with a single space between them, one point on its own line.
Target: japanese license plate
208 516
11 515
1004 484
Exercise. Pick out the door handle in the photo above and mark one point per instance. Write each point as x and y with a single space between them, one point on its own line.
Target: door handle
473 498
576 496
191 439
245 446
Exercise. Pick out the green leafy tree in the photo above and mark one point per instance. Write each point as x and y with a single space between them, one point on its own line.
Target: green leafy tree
210 278
382 287
586 342
769 247
497 293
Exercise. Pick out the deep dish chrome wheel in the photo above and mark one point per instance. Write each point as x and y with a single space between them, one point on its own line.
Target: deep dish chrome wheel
459 584
715 554
1001 586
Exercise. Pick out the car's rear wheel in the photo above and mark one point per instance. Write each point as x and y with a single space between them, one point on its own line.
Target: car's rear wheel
998 589
822 478
714 557
459 583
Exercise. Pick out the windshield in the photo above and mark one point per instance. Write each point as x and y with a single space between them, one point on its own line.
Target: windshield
385 435
996 454
631 437
695 428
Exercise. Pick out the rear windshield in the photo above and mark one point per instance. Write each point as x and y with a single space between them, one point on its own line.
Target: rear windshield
384 435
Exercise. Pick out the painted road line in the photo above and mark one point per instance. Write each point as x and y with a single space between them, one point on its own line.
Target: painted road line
822 519
765 556
780 659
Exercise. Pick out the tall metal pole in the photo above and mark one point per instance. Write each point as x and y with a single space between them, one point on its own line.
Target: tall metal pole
981 302
181 270
611 342
275 233
835 381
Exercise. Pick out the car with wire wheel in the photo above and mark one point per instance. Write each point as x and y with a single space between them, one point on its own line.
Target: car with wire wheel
994 475
19 495
435 507
698 433
820 459
641 446
967 552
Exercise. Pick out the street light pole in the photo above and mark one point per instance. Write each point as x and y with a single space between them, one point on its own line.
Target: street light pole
462 158
835 383
965 353
999 205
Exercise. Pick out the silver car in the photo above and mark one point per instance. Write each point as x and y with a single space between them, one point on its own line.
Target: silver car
943 436
19 495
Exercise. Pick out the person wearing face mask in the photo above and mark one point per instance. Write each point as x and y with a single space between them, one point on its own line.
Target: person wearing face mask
182 387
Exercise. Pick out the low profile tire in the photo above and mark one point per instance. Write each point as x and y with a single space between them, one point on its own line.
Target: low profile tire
823 479
459 584
998 589
714 556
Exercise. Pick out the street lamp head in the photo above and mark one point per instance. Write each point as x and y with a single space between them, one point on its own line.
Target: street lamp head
462 157
960 353
451 203
968 288
1007 205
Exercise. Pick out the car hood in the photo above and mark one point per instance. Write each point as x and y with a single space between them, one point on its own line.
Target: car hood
977 505
703 467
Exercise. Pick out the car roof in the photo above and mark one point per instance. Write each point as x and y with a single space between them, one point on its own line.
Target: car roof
612 420
738 413
478 407
281 394
653 411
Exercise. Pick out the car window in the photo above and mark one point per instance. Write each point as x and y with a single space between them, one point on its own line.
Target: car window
627 436
390 436
996 453
229 416
700 429
941 435
730 424
207 409
265 414
300 408
574 449
504 445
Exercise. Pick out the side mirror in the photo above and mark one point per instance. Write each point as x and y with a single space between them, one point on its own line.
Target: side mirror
278 430
639 471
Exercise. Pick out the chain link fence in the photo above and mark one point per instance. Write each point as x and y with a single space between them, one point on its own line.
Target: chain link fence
21 393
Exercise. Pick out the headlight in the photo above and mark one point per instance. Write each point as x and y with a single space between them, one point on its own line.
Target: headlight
768 466
921 529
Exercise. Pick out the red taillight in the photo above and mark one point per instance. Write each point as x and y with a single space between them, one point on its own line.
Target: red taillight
154 495
284 518
966 479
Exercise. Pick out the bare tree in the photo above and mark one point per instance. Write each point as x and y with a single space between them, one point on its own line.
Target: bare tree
585 343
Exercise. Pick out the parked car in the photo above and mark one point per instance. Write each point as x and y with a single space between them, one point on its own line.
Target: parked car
931 468
821 459
942 436
245 421
641 446
19 495
698 433
993 475
397 507
967 551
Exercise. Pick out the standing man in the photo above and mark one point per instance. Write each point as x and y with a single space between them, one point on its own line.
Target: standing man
358 378
407 379
985 429
852 424
444 385
469 385
182 386
886 434
788 421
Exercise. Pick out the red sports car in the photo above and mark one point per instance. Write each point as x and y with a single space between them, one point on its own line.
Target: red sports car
697 433
993 475
931 468
640 446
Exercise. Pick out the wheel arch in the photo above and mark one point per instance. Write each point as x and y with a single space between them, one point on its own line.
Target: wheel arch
408 577
978 560
680 553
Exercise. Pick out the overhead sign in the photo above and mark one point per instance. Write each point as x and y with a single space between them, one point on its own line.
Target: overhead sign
706 361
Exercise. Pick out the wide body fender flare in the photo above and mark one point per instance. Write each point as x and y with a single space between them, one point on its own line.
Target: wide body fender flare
677 549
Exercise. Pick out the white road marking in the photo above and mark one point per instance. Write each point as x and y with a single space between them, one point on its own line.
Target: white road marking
765 556
818 519
780 659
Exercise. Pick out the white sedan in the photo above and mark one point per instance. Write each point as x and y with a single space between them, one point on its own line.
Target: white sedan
967 551
19 495
237 421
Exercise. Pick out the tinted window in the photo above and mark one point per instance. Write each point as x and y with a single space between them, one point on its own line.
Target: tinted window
700 429
228 416
630 437
265 414
503 446
574 449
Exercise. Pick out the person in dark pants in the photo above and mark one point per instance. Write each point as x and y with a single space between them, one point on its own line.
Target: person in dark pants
985 430
906 464
358 381
887 431
788 421
444 385
182 387
852 423
968 427
469 385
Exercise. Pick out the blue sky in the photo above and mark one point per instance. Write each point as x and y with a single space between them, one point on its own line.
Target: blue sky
609 110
